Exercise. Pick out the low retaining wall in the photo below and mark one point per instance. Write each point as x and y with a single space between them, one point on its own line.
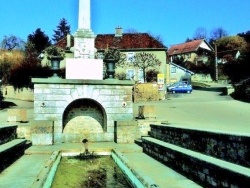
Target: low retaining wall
232 148
202 169
7 133
129 131
42 132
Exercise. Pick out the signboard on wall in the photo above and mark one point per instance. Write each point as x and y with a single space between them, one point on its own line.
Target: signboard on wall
160 79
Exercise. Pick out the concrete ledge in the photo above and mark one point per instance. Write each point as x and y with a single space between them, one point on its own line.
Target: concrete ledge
230 147
10 145
46 175
206 170
136 178
10 152
81 82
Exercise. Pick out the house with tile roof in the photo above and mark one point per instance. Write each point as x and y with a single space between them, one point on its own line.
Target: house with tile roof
196 51
129 44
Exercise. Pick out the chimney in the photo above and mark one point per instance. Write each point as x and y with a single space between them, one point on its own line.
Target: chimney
118 32
68 41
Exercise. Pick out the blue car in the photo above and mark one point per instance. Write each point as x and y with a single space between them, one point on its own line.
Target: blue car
180 87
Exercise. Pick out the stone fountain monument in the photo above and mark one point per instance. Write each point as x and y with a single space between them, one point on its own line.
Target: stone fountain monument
83 65
82 106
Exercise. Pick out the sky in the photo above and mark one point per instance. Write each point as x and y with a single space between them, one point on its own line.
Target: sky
172 20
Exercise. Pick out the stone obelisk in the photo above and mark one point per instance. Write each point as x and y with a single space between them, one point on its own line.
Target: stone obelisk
84 38
84 14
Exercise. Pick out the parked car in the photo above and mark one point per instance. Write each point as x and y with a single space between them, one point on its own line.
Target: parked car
180 87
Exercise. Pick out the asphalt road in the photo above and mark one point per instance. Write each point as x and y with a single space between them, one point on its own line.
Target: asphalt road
205 110
200 110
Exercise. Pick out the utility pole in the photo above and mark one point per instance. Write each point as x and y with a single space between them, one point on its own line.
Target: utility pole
216 62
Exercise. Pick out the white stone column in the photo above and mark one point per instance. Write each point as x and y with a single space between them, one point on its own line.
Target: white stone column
84 38
84 14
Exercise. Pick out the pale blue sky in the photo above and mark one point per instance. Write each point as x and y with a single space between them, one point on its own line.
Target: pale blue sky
173 20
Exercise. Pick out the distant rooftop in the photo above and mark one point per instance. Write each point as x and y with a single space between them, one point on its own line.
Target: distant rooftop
187 47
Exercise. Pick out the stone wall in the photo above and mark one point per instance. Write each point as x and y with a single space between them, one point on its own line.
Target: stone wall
203 172
7 133
126 131
129 131
42 132
53 96
232 148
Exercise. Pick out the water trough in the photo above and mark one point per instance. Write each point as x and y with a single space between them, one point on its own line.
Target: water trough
135 178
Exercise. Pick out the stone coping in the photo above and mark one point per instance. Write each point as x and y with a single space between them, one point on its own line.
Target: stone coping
198 128
203 158
7 126
47 173
9 145
82 82
137 178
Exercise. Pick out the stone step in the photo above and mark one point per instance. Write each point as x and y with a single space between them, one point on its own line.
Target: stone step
203 169
11 151
227 146
138 142
7 133
11 144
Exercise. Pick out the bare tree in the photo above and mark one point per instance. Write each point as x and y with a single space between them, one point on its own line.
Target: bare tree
145 60
12 42
218 33
131 30
200 33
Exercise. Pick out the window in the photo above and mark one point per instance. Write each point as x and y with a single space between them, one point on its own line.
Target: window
130 57
130 74
140 76
173 69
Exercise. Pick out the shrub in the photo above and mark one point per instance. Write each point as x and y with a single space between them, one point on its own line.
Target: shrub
21 75
151 75
120 75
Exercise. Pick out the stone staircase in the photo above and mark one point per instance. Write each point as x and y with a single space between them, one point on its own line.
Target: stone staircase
11 147
211 159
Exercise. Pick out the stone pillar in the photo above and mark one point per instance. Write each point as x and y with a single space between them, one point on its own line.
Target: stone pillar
84 38
84 14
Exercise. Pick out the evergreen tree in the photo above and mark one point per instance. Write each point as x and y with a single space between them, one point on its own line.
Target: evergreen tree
62 30
40 40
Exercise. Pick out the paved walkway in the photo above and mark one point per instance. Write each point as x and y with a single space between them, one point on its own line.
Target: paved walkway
25 170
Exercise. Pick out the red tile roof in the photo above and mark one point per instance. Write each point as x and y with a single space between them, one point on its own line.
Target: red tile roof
185 47
127 41
63 42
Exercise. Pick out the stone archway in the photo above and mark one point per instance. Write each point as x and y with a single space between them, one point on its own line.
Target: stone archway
84 118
